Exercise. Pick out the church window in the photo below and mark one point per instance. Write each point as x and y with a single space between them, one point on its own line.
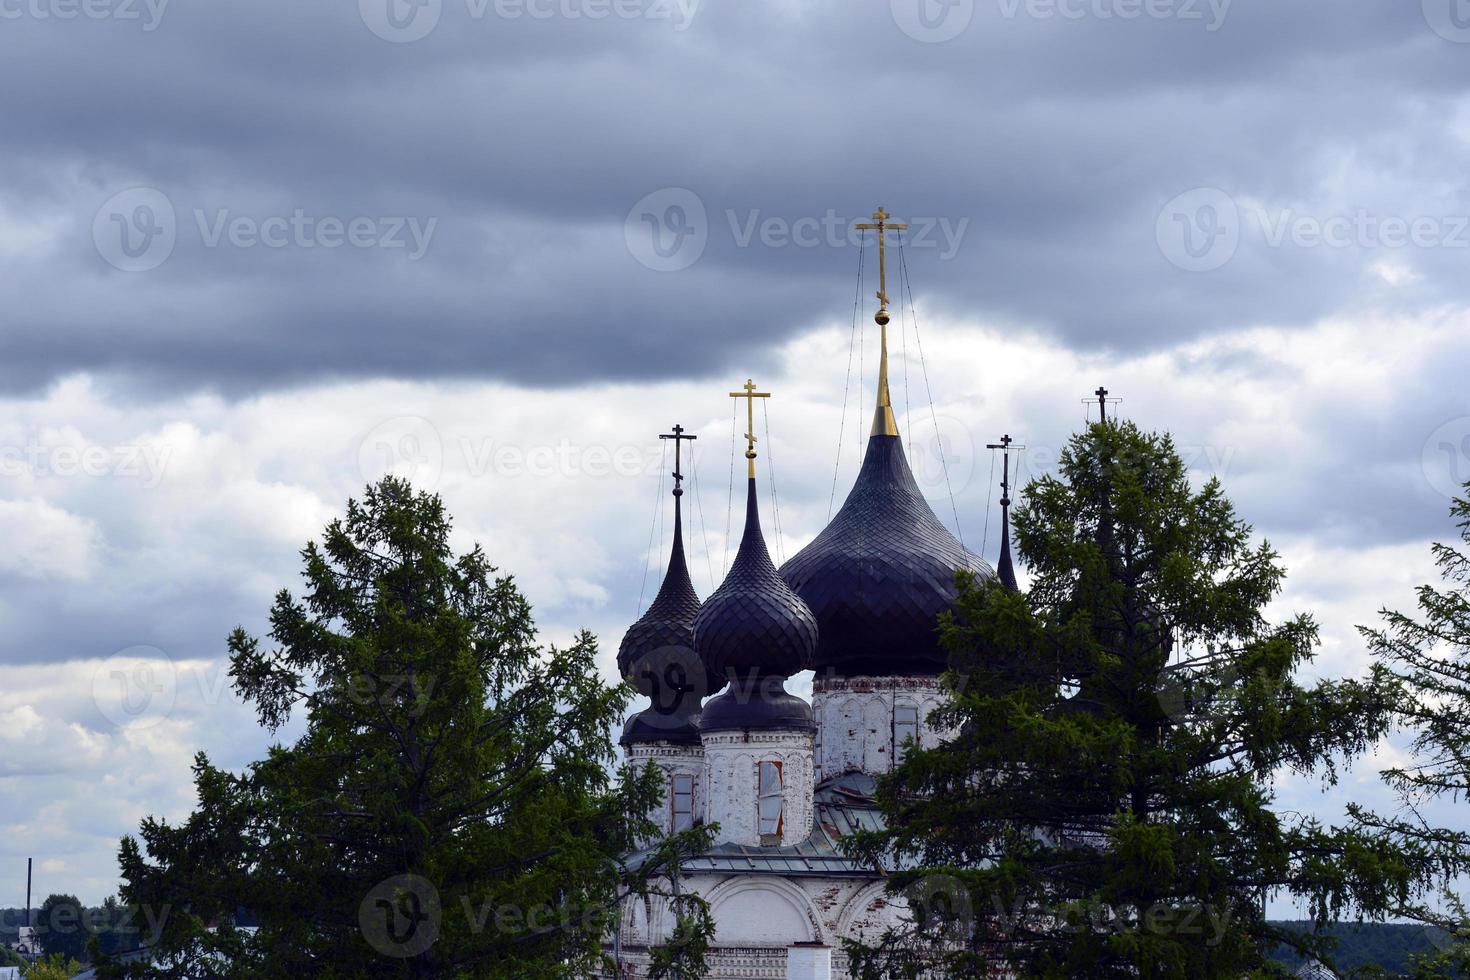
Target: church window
683 803
771 800
905 729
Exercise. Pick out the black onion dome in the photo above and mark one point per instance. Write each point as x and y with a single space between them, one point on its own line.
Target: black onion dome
657 657
881 573
754 626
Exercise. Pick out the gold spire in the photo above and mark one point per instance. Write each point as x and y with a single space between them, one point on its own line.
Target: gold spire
750 395
884 424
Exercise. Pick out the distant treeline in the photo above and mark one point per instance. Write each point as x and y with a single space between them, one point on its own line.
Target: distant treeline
1389 946
116 928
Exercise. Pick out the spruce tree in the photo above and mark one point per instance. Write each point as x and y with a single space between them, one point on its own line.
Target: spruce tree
1106 808
1428 655
451 809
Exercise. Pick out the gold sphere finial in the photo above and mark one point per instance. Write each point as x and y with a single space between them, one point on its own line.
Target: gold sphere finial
881 317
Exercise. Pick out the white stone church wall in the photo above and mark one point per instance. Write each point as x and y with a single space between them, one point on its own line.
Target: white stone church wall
758 917
855 718
731 761
674 759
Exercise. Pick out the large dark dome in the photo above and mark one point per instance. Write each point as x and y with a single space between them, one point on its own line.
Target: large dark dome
878 577
754 625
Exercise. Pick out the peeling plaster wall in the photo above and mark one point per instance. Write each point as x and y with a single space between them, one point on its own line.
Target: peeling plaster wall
731 759
855 719
674 758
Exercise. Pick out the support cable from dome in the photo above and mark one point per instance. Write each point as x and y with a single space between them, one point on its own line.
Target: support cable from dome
903 347
989 490
771 474
703 524
852 343
655 526
730 498
905 284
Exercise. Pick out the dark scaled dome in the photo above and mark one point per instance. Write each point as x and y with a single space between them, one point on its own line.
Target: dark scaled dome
881 573
657 657
754 632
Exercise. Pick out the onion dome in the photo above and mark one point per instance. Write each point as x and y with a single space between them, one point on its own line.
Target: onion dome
882 572
879 576
657 653
754 632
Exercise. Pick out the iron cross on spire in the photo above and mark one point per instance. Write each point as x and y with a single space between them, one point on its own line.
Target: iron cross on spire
1005 480
1102 402
679 438
750 395
884 423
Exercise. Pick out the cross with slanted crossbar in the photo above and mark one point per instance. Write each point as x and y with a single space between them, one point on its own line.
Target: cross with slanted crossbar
679 438
881 224
750 395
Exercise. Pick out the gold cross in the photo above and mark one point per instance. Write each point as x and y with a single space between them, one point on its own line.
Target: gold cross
884 423
882 225
750 395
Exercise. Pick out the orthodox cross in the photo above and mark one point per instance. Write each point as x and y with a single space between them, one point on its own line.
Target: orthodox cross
884 423
881 224
679 438
750 395
1005 480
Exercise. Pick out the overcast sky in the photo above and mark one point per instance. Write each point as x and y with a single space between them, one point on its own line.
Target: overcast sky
253 255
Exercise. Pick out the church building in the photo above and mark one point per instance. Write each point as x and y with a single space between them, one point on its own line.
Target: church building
786 779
